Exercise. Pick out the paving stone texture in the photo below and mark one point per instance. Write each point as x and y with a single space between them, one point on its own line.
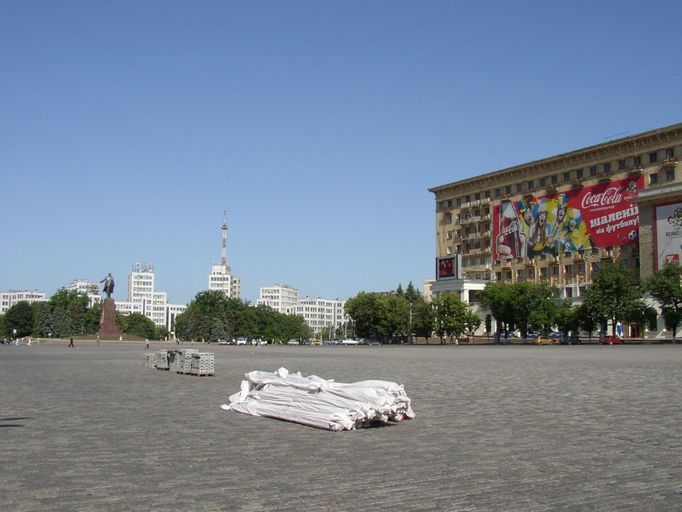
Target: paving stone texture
550 428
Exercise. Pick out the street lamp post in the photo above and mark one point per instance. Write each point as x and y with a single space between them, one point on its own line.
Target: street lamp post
409 334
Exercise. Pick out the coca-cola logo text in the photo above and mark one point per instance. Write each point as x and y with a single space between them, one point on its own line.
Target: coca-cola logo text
608 197
510 228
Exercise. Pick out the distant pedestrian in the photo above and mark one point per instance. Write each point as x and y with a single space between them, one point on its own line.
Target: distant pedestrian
147 343
98 340
71 345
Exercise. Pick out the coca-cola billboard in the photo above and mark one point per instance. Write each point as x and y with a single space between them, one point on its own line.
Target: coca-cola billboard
601 215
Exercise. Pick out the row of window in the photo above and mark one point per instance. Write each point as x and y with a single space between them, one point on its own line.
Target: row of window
566 177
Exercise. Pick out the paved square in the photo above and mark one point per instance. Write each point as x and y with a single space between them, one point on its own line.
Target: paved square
497 429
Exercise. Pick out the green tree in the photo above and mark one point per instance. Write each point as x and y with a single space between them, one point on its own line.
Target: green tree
3 327
567 319
498 298
471 322
423 317
614 295
136 324
588 320
450 314
533 305
20 318
666 287
161 333
92 318
365 310
394 316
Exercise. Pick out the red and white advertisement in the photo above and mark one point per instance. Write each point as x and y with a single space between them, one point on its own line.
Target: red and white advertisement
601 215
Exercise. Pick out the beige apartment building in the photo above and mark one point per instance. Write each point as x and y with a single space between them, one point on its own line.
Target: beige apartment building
558 219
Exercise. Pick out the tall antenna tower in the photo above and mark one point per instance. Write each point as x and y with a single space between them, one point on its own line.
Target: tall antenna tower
223 250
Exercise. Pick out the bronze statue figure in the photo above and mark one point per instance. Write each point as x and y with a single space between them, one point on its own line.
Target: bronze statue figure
108 285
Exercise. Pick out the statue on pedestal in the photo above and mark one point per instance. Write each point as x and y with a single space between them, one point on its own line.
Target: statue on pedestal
107 323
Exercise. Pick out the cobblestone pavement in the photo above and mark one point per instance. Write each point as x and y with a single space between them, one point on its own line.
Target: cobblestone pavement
497 429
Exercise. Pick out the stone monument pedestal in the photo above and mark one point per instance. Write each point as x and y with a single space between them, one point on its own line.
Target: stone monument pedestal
107 323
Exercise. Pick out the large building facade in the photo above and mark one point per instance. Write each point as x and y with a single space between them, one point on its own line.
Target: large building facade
559 219
321 314
280 297
144 299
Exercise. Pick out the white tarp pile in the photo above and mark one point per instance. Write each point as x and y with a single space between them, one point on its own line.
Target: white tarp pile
320 403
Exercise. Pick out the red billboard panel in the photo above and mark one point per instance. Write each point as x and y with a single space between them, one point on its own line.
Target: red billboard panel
601 215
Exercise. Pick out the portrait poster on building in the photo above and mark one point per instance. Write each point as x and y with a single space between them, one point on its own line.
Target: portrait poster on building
601 215
668 234
447 268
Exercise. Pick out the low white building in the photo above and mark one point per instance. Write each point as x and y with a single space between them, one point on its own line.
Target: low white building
12 297
280 297
88 288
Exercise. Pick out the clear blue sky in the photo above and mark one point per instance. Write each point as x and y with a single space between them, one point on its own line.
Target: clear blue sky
127 127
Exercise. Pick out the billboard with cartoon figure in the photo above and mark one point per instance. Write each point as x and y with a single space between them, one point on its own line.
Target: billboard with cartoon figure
601 215
668 234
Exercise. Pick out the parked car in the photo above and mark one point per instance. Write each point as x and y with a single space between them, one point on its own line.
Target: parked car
543 340
612 340
557 335
223 342
241 341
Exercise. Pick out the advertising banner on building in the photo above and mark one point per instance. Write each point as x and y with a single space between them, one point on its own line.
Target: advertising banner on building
601 215
669 234
448 267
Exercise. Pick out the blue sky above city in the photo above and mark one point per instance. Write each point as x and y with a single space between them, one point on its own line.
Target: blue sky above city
127 128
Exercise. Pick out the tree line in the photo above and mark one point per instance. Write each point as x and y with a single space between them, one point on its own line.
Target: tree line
614 296
66 314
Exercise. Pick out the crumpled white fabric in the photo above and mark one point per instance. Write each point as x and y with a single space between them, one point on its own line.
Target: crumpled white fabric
319 402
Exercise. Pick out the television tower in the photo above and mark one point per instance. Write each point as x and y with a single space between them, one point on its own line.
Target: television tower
223 250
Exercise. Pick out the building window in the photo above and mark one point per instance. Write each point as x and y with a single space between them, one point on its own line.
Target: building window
543 272
581 267
622 164
593 170
569 292
555 270
507 189
542 181
567 177
670 174
653 157
448 250
669 153
554 180
520 275
607 167
579 173
531 273
653 179
449 235
477 196
497 192
498 276
519 187
530 185
637 161
467 199
486 194
447 218
569 270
